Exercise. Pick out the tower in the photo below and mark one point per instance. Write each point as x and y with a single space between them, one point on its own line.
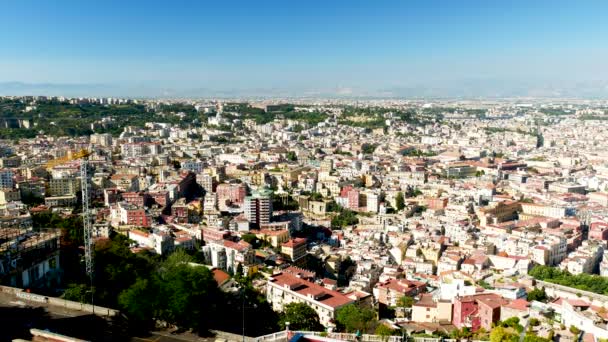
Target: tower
258 207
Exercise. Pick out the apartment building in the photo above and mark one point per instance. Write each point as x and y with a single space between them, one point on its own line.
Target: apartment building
285 288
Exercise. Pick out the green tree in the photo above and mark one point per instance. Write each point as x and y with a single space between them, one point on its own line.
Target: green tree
460 334
534 338
400 201
585 282
291 155
405 302
384 331
249 238
368 148
300 317
117 268
139 302
500 334
78 293
345 217
188 295
239 270
354 318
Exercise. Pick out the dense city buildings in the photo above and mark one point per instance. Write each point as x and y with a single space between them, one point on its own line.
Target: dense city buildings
437 216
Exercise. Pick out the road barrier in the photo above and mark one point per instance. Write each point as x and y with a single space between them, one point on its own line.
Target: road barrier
58 302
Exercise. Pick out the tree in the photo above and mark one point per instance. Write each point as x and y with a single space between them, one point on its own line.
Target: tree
77 293
585 282
249 238
499 334
538 295
239 270
465 332
534 338
354 318
117 268
368 148
400 201
512 322
345 217
405 302
484 284
291 155
300 317
139 302
188 296
384 331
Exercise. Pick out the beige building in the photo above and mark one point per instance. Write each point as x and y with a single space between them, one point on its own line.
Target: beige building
426 310
9 195
551 251
599 197
125 182
274 236
295 249
501 212
533 209
64 186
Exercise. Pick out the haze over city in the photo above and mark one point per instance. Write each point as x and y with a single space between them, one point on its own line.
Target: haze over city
306 48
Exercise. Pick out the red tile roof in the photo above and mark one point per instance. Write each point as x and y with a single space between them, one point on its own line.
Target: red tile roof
220 276
294 242
305 288
518 304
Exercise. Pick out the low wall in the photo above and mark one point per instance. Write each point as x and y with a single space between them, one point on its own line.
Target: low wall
59 302
556 290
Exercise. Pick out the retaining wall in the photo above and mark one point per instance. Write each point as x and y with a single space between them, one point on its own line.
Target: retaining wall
59 302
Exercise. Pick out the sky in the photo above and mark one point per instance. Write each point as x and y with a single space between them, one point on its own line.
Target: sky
343 48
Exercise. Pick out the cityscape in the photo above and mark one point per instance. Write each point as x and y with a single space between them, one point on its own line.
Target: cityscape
361 209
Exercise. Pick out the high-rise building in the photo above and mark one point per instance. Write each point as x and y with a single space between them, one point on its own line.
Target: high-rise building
353 199
258 207
6 179
104 139
229 195
372 203
206 181
64 186
327 165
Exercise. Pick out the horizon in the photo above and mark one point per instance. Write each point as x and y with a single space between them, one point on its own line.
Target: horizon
386 49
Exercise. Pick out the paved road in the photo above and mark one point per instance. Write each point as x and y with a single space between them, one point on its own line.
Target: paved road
167 337
9 300
23 315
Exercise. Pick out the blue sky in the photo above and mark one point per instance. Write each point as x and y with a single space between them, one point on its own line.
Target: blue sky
362 47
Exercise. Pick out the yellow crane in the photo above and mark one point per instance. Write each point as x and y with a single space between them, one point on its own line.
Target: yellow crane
69 157
83 156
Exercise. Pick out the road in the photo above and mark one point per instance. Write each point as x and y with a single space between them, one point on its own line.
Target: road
20 315
9 300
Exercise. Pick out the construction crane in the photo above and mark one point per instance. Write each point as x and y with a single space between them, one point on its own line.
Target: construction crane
83 156
69 157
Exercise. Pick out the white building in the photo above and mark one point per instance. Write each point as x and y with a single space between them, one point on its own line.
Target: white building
285 288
